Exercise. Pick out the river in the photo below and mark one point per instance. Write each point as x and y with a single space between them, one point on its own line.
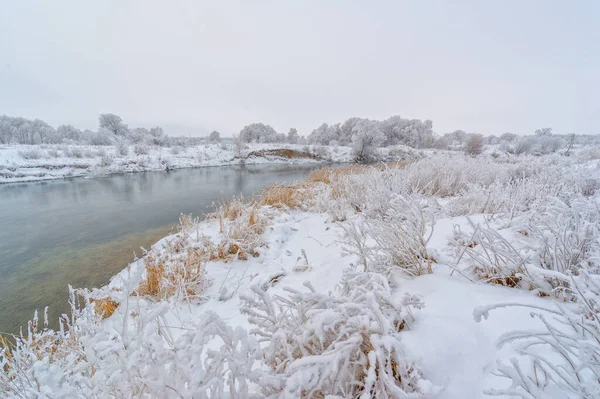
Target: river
83 231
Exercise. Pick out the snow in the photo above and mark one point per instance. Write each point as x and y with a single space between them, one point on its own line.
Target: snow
65 161
304 288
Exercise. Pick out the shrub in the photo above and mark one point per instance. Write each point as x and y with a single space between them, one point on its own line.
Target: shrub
141 149
122 148
400 238
241 224
106 161
137 357
88 153
474 145
344 345
30 153
76 152
52 153
563 354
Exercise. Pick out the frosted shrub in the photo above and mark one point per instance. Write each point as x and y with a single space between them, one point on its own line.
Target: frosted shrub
76 152
346 344
569 235
122 148
562 357
88 153
400 238
493 258
105 161
241 225
446 176
138 357
508 198
31 153
141 149
52 153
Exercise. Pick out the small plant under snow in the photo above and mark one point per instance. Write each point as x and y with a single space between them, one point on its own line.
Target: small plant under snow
346 344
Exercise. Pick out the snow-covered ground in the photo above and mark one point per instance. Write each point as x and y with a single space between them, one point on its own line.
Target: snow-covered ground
361 282
19 163
28 163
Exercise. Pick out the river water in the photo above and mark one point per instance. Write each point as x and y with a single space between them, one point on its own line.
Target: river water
83 231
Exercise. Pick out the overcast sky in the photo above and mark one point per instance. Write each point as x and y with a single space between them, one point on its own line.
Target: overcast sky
480 66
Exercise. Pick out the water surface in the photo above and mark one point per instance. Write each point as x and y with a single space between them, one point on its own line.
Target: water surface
83 231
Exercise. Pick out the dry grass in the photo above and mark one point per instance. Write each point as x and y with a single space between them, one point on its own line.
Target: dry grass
229 209
329 175
279 195
284 153
104 307
168 275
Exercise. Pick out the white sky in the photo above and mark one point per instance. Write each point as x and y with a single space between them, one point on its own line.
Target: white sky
480 66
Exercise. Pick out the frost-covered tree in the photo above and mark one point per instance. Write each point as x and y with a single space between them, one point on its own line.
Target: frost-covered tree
157 131
474 145
546 131
259 133
113 123
69 132
510 137
292 136
366 139
7 131
238 145
215 136
324 134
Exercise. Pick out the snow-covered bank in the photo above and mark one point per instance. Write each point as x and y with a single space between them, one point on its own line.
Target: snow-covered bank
19 163
359 282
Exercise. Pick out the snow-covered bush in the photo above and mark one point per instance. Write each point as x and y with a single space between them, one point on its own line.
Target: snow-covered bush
346 344
241 224
399 238
52 153
562 357
138 357
31 153
568 234
77 152
215 136
493 258
106 161
366 139
474 145
141 149
122 148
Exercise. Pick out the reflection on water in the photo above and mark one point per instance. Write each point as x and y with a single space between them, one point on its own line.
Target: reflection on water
83 231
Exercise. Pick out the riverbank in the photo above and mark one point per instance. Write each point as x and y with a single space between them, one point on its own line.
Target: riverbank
22 163
377 280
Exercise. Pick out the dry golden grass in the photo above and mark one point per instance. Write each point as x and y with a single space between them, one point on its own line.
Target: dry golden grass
168 275
279 195
229 209
104 307
284 153
6 345
329 175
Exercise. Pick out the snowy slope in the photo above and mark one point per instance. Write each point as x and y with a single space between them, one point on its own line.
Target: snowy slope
289 276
